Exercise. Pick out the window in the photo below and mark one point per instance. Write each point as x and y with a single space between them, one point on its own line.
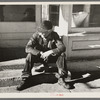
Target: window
86 16
94 16
17 13
54 14
77 8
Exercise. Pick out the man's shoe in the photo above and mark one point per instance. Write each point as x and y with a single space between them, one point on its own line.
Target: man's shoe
57 75
23 83
62 83
22 86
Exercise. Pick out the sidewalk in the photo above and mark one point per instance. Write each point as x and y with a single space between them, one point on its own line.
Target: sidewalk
90 87
43 87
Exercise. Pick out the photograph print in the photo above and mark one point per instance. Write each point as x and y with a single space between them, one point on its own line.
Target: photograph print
50 47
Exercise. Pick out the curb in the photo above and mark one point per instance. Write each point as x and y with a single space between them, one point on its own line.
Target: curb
11 67
10 81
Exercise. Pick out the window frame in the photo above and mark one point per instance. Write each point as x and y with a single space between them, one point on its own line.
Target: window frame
79 29
54 13
19 21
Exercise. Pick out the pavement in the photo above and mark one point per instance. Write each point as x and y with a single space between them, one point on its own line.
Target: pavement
93 86
42 83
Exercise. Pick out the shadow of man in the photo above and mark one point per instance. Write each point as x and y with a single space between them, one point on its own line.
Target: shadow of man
40 78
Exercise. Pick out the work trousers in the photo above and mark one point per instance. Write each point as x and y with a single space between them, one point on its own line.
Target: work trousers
59 60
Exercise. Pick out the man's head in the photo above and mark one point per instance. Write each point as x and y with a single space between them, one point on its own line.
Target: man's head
46 25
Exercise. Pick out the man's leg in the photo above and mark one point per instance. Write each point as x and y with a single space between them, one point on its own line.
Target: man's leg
63 72
26 73
29 62
62 66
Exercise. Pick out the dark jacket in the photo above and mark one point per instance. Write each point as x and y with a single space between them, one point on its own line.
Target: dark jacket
52 41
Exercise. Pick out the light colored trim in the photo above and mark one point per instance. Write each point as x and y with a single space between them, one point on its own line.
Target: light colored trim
87 9
70 17
45 12
15 36
17 27
85 45
90 29
13 43
38 14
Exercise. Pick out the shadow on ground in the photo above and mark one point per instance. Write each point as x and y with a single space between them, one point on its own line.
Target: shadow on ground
50 78
40 79
91 78
92 87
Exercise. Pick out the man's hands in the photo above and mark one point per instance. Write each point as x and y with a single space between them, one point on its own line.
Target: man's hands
46 54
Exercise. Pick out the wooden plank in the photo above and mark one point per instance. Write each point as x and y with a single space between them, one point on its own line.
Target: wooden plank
17 26
38 15
13 43
15 35
89 29
86 45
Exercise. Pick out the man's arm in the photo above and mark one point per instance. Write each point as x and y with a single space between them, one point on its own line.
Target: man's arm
31 44
60 46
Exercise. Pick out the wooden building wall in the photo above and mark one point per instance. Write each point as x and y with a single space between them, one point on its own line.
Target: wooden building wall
15 35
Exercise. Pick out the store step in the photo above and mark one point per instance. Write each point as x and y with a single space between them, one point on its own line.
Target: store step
10 72
12 64
13 77
10 77
17 64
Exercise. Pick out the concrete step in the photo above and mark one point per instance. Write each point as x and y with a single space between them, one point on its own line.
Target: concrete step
74 66
13 77
11 67
10 72
12 64
40 88
17 64
10 77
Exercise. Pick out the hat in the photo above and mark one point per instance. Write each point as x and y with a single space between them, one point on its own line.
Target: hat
46 24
